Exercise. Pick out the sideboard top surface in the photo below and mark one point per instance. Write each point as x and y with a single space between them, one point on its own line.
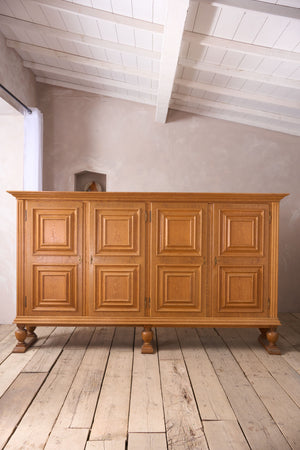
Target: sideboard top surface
149 196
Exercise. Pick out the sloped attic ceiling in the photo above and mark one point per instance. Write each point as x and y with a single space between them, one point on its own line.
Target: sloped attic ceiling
236 60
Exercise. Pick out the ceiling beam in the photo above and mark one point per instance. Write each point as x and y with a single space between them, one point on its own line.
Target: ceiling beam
241 47
75 37
250 122
240 73
235 108
95 13
30 48
257 6
79 87
50 70
286 102
174 27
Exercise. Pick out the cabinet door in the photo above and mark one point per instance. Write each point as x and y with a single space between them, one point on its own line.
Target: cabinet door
178 259
240 260
53 262
117 259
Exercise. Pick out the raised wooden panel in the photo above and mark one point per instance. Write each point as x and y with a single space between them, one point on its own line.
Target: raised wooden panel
240 288
55 231
54 288
179 230
117 287
178 288
117 232
241 232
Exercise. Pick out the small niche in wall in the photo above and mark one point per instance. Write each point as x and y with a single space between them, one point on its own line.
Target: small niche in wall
90 181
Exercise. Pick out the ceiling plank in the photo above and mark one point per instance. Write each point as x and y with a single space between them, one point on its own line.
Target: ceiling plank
50 70
289 103
75 8
74 37
257 6
241 47
235 108
174 27
80 59
251 122
239 73
80 87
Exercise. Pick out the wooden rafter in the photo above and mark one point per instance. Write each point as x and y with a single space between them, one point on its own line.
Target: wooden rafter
96 13
176 15
21 46
78 38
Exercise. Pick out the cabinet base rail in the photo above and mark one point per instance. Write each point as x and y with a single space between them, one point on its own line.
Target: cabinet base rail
26 337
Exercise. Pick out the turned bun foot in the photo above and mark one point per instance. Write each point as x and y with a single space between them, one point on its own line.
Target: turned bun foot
21 335
268 339
147 336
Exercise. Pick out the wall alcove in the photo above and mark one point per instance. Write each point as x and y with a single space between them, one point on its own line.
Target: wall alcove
82 179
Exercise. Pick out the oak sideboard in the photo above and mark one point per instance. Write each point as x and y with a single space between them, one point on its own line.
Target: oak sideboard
147 259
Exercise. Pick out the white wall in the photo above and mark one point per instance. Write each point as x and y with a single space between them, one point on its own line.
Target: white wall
11 178
189 153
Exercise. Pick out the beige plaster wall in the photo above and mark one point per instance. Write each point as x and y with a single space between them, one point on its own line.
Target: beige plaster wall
11 178
189 153
15 77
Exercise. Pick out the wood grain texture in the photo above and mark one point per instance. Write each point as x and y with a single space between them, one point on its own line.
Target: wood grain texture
257 424
183 425
56 409
146 407
34 429
12 407
210 396
224 434
111 417
149 441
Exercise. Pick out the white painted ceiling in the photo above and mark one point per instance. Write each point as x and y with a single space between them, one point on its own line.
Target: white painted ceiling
236 60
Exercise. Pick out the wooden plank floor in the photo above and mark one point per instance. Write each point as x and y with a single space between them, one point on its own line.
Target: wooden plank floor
90 388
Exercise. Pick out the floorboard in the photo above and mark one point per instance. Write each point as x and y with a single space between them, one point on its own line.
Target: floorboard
91 389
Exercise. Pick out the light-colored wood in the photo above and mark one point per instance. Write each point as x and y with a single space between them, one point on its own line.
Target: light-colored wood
241 47
173 31
238 94
183 425
74 37
257 6
235 108
11 367
149 441
16 400
279 404
290 320
146 259
211 399
146 408
43 51
40 417
6 330
43 360
245 372
244 74
224 434
54 72
99 14
74 438
80 403
7 344
280 370
111 417
106 445
257 424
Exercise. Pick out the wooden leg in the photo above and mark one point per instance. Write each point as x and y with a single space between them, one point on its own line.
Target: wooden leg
268 339
21 334
147 336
